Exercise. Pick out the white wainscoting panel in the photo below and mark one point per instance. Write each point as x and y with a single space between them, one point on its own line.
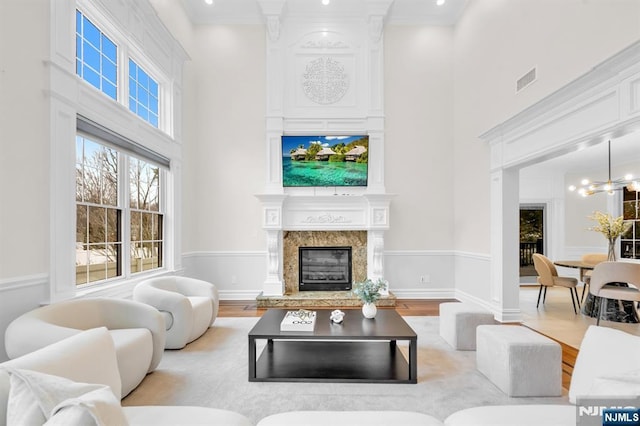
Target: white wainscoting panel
449 274
237 275
20 295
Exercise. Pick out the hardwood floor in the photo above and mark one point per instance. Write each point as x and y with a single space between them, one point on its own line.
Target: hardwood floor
407 307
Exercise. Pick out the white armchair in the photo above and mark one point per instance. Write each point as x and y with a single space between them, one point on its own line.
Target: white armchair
137 330
189 306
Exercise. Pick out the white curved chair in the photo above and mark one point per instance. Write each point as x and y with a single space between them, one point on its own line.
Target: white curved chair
548 277
189 306
606 273
137 331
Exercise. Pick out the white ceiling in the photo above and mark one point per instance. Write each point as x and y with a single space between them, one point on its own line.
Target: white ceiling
248 11
624 150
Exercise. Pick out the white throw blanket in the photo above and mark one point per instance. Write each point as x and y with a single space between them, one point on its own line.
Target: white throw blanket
36 398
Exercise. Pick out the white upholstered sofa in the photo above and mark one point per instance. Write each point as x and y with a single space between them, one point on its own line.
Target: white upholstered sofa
89 357
137 330
188 305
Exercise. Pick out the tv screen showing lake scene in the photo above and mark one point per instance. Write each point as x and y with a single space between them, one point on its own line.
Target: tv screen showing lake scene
325 160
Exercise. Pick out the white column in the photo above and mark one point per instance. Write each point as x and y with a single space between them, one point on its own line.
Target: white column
505 285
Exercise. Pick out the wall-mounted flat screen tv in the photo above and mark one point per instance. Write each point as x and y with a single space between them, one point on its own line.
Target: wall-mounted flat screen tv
325 160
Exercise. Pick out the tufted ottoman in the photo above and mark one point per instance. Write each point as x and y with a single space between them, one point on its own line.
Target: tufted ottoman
519 361
458 322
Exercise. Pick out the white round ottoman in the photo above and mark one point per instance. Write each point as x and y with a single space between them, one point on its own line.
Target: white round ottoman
519 361
458 322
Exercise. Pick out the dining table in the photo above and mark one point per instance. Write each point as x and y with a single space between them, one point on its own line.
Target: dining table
615 310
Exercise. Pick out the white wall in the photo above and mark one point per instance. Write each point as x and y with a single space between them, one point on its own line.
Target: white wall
419 136
495 43
224 158
24 159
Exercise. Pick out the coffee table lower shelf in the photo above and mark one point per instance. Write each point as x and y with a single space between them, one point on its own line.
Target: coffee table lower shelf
332 361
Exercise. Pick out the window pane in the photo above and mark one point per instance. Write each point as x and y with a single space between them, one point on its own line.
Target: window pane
109 49
153 86
113 265
113 226
109 71
147 227
78 22
143 112
153 105
136 257
78 48
91 77
81 227
90 32
97 224
136 222
91 56
97 262
109 89
133 105
143 96
109 168
82 263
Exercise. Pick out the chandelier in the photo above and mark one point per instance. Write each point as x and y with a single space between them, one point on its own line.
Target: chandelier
609 186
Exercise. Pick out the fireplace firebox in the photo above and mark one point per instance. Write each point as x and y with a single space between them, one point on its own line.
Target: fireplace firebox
324 268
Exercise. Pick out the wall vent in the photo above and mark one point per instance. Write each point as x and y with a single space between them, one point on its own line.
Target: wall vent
526 80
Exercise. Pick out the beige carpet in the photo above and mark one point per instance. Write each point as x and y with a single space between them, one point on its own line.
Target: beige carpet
212 372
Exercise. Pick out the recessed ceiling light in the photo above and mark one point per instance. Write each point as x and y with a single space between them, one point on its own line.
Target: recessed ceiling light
326 2
440 2
209 2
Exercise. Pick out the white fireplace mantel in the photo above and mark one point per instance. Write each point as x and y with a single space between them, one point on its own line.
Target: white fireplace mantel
347 52
281 212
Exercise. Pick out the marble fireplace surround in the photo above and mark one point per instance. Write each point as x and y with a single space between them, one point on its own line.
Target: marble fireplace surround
292 240
356 220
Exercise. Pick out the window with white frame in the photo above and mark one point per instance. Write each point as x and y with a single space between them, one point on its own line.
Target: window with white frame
97 64
108 229
143 94
96 57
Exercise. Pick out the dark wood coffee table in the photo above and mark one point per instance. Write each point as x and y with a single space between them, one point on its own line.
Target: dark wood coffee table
358 350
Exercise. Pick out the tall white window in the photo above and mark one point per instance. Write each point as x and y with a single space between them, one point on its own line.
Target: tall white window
108 228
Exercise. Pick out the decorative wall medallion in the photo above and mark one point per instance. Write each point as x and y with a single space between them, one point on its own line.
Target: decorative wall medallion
324 81
326 218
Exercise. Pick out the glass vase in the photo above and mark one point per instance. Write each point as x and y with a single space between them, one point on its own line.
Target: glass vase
611 254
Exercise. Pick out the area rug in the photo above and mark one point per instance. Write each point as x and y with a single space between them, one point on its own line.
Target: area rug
213 372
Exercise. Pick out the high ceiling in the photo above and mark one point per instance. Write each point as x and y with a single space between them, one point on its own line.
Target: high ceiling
426 12
401 11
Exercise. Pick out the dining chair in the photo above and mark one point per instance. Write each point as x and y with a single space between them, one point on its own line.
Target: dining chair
548 277
585 274
607 273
